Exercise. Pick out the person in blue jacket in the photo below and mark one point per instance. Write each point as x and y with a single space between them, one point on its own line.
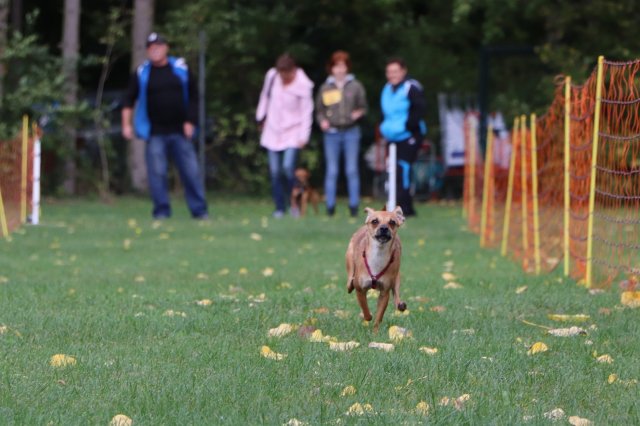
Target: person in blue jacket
403 108
164 93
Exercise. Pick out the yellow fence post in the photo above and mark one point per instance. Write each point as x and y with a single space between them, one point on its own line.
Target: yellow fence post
567 171
523 180
23 182
3 219
512 166
594 163
488 159
534 194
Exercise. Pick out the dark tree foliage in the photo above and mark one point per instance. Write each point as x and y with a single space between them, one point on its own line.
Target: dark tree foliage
440 40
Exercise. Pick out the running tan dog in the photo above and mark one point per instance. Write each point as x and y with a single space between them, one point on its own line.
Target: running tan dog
373 261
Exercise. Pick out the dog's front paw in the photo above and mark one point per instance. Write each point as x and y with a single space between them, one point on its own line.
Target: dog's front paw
402 306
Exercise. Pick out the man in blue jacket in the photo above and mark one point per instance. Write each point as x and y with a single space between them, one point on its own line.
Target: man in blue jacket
164 93
403 108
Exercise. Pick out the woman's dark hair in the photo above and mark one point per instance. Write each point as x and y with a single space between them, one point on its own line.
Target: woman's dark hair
397 60
339 56
285 62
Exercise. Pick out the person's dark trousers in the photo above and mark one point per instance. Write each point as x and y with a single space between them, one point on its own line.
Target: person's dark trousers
158 150
406 154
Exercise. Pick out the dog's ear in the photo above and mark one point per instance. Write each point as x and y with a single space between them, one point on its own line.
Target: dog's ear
399 214
369 211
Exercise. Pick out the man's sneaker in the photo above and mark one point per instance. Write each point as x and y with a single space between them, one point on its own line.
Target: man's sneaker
331 210
354 211
278 214
204 217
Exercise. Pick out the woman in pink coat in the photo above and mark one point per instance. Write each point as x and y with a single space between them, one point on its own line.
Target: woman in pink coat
285 114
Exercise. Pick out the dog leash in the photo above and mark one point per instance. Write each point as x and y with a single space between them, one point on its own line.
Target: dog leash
375 278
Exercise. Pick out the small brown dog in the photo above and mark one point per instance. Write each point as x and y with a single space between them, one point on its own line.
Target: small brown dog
303 193
373 261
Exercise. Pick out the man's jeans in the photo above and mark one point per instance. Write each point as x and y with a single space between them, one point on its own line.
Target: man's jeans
176 146
282 166
347 141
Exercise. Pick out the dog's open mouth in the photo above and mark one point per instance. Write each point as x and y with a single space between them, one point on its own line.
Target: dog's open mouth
383 238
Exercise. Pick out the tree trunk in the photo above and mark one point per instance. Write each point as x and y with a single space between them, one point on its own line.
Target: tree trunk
16 15
142 24
4 16
70 54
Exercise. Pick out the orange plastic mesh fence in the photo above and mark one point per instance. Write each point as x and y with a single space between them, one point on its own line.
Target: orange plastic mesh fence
582 104
11 180
550 180
616 235
473 173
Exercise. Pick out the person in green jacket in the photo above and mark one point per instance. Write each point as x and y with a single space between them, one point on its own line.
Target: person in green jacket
340 103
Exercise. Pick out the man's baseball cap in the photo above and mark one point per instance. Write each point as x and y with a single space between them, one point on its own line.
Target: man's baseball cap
155 38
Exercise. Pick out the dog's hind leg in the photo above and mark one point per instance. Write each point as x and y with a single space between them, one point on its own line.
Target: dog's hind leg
383 301
401 306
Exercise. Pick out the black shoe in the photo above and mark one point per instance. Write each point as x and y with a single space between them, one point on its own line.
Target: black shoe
331 211
354 211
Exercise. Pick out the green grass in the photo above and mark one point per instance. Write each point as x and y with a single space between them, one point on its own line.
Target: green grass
70 287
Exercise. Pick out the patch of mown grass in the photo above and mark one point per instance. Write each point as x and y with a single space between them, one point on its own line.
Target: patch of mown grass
97 283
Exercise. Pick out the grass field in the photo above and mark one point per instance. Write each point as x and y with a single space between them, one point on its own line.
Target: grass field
99 283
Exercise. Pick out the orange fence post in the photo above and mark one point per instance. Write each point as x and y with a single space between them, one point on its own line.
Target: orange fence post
512 166
488 163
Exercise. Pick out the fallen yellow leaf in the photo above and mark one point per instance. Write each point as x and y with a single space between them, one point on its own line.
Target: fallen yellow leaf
555 414
202 276
256 237
612 378
223 271
537 347
579 421
358 409
422 408
398 333
243 271
605 359
567 332
61 360
267 272
573 318
281 330
343 346
266 352
120 420
451 285
341 314
204 302
318 337
521 289
171 313
448 276
630 299
427 350
387 347
348 391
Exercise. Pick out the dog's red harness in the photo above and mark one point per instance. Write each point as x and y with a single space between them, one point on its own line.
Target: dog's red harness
375 278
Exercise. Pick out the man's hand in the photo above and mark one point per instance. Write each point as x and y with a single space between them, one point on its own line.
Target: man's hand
356 114
188 130
324 125
127 131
